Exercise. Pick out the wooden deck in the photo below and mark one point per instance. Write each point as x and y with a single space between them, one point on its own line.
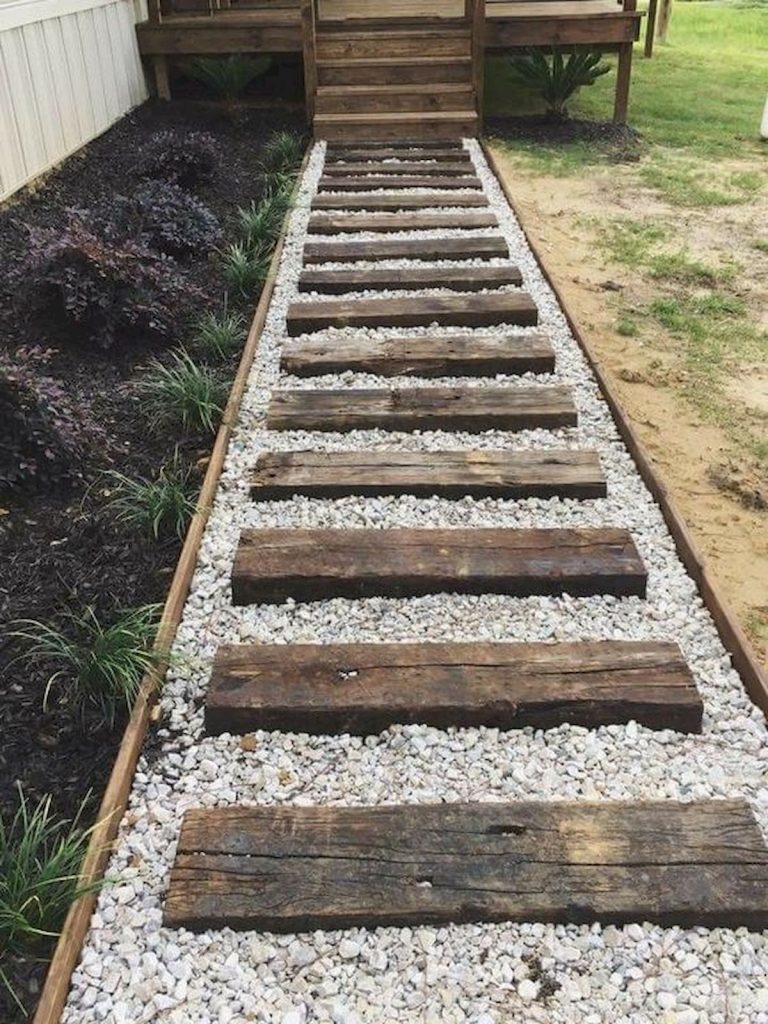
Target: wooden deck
184 27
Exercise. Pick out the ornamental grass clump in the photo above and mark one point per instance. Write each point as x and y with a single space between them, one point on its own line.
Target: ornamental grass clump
282 153
261 222
218 336
183 393
159 507
95 667
185 158
245 269
556 80
227 76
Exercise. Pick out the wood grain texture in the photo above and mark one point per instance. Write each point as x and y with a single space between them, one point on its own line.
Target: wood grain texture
475 248
293 869
364 183
272 565
448 474
363 154
417 311
470 279
432 170
432 408
365 688
392 202
337 224
457 356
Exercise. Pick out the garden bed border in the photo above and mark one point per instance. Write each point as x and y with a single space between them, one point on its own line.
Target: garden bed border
115 800
753 675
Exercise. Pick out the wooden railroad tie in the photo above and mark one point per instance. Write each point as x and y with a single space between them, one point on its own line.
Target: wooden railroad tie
365 688
478 247
445 474
364 183
458 355
414 311
297 869
433 408
272 565
471 279
402 167
338 224
365 154
392 202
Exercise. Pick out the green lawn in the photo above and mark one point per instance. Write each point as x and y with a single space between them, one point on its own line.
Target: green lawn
703 91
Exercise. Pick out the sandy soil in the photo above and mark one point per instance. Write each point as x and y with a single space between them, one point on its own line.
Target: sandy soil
706 470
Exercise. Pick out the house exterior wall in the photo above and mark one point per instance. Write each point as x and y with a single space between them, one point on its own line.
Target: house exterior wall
68 70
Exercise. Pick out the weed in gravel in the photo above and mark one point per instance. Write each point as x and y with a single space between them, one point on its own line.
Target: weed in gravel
96 667
218 336
160 507
245 269
282 152
184 393
186 158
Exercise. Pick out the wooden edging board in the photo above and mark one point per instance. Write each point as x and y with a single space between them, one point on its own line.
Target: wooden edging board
734 639
115 799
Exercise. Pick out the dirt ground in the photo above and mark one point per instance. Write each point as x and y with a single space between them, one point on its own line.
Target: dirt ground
716 482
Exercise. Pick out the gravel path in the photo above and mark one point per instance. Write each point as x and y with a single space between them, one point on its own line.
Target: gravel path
133 970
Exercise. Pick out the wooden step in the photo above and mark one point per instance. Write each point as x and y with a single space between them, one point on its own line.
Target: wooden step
445 154
363 183
434 408
394 71
392 43
433 170
454 145
273 565
453 356
358 99
366 688
337 282
392 201
435 124
446 474
297 869
484 310
339 224
431 249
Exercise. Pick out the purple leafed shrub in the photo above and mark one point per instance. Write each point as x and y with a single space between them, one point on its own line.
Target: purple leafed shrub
45 437
158 214
90 289
186 158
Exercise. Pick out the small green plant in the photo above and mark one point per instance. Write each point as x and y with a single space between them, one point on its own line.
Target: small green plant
227 76
557 80
184 393
260 223
40 857
220 335
282 152
627 327
245 269
159 507
97 667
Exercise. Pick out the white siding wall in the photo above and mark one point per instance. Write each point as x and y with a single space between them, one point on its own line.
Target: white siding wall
68 70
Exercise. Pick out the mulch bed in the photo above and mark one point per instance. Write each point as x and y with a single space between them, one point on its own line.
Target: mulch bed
620 142
58 551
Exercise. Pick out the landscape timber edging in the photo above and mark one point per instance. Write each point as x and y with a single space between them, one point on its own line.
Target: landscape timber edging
115 799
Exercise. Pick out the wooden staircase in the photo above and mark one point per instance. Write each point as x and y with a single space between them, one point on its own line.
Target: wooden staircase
391 79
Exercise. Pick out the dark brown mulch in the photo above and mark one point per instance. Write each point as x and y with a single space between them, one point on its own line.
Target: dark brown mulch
620 142
57 550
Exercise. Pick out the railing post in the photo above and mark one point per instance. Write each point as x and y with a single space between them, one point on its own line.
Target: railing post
477 28
309 32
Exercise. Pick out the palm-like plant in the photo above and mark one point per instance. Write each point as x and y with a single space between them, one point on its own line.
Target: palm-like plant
227 76
557 80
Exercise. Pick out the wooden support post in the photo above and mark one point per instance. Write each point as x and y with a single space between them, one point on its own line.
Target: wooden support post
650 28
309 28
623 76
478 57
160 64
665 13
154 13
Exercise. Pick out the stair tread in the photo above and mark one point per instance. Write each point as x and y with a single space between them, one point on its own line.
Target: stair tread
393 202
391 61
340 90
432 249
335 224
408 278
395 116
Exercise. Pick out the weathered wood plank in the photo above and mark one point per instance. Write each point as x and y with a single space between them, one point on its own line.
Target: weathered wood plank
272 565
469 279
485 310
337 224
366 688
363 183
432 408
433 170
448 474
391 202
453 248
294 869
451 356
446 154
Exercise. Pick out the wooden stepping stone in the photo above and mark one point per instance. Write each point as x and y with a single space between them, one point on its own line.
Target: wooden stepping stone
453 356
272 565
332 224
433 408
479 247
469 279
389 202
401 145
401 167
417 311
446 474
365 688
362 183
366 153
297 869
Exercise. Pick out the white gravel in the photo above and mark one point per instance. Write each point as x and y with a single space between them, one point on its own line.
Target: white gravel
133 970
